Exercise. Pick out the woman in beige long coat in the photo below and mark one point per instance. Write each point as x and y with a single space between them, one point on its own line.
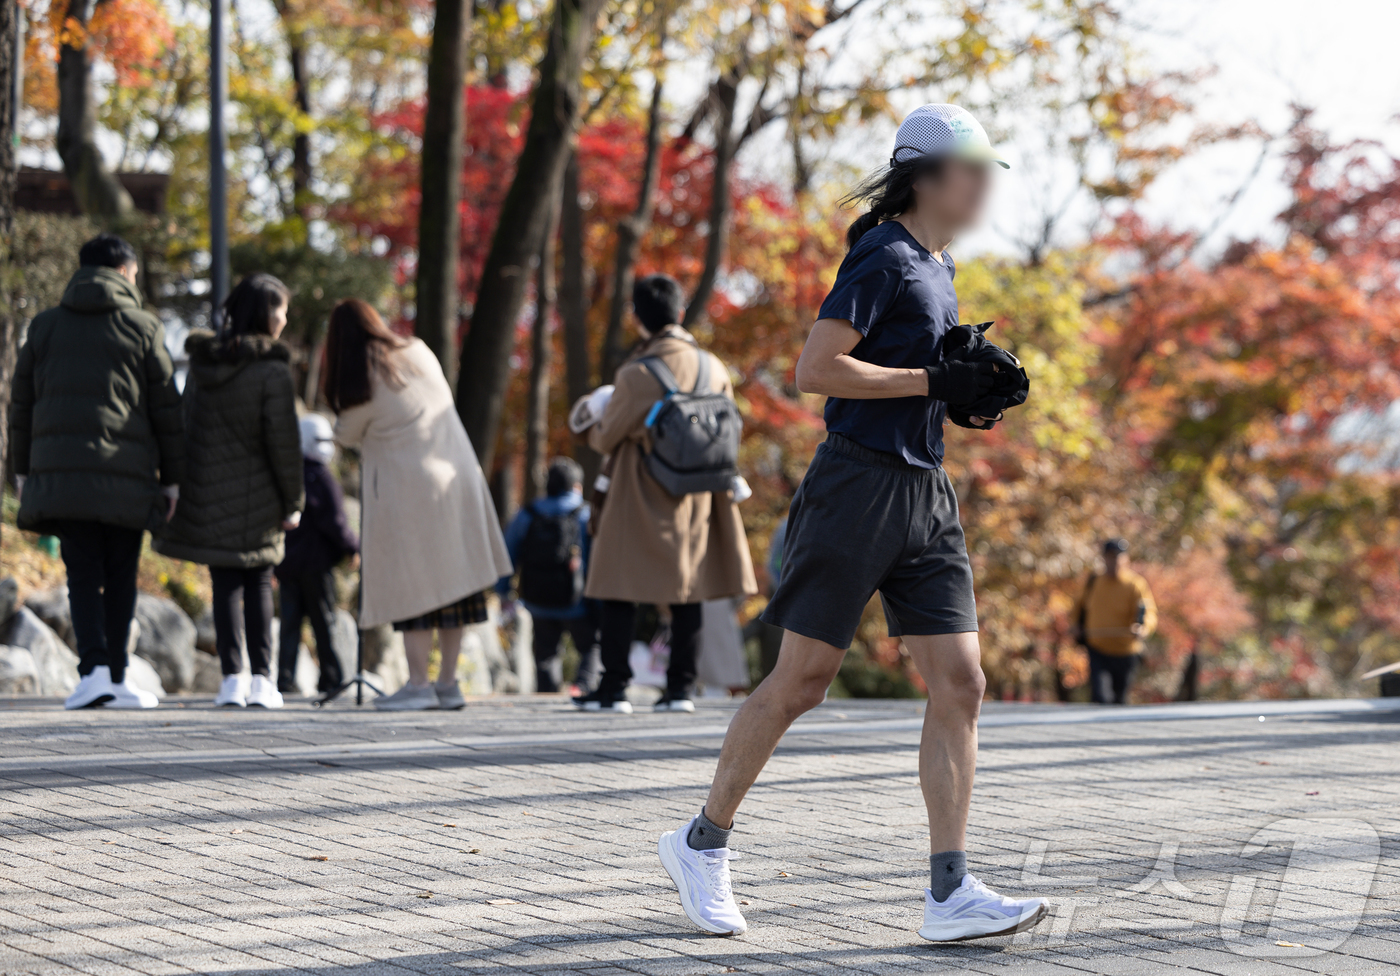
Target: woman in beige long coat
652 546
430 543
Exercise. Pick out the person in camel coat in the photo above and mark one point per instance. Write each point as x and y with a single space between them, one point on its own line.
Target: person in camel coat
652 546
430 542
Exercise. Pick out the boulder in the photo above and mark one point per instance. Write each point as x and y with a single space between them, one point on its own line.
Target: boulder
51 606
166 640
18 673
384 658
482 666
55 666
204 637
345 635
208 674
9 599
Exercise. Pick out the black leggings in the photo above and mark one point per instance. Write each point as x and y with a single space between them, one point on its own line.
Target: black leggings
102 561
620 619
243 613
1110 675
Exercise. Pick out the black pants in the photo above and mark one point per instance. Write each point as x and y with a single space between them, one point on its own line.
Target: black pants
1110 675
243 614
101 561
546 641
620 619
308 595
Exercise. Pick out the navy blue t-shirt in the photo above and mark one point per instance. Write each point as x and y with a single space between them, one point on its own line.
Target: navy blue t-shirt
901 300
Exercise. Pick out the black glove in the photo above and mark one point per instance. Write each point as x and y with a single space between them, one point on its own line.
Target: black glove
955 381
962 418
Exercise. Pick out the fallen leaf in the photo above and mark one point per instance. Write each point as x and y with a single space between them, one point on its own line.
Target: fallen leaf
1313 792
746 903
236 830
1290 945
784 874
318 857
449 825
426 894
1265 762
474 850
502 901
109 842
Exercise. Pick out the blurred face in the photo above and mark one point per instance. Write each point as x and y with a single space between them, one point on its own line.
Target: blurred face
955 196
129 271
1115 562
277 320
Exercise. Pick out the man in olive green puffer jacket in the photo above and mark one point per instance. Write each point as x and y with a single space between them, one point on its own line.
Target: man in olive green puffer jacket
98 450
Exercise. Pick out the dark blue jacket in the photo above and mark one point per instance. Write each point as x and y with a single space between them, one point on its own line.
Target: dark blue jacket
324 536
515 539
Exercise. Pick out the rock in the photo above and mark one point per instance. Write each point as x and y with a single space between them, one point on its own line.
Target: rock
345 635
166 640
51 606
208 674
140 673
55 666
384 658
482 666
18 673
204 637
9 599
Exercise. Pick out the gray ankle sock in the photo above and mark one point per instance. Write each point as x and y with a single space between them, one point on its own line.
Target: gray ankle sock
946 872
707 836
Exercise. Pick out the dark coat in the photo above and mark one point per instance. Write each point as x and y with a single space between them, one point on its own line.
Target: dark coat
243 453
324 536
94 412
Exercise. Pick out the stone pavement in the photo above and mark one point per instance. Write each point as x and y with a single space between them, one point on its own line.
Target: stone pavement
518 837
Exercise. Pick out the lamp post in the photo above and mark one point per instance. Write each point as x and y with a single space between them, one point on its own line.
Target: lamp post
218 174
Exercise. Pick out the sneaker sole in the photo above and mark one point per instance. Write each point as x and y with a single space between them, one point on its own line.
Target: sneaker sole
672 708
673 868
618 708
963 930
97 702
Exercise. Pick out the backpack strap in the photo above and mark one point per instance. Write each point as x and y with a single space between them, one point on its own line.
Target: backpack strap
658 368
702 374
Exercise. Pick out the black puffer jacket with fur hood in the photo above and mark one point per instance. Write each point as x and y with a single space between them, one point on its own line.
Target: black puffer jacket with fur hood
242 451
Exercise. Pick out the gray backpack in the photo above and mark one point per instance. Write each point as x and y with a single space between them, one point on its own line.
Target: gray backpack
694 436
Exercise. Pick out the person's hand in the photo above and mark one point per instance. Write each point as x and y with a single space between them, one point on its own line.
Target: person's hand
1136 629
354 562
172 496
291 521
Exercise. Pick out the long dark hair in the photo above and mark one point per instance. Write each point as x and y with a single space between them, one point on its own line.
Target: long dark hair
358 343
248 308
886 193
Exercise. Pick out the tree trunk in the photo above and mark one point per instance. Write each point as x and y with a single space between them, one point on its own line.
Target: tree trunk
631 230
725 94
10 67
520 230
439 220
98 192
573 309
541 356
301 142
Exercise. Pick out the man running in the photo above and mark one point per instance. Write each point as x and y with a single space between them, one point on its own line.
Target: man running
876 512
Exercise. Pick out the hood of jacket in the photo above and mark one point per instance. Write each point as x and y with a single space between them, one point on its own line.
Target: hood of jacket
214 360
96 291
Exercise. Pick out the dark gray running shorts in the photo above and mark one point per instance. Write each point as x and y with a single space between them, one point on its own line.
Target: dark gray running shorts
863 521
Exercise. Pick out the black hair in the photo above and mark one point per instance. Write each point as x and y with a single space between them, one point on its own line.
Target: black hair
887 193
658 301
248 308
107 251
563 474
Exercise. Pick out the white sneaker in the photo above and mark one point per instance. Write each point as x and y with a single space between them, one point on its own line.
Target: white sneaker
263 693
449 696
94 688
702 878
669 704
974 911
409 698
127 695
232 692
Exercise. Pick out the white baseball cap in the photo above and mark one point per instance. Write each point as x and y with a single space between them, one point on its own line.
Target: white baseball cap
317 438
938 131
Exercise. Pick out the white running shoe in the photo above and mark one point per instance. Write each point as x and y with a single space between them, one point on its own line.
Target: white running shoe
409 698
94 689
974 911
669 704
449 696
233 691
702 878
127 695
263 693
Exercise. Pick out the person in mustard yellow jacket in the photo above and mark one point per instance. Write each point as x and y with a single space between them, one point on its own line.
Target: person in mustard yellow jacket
1111 618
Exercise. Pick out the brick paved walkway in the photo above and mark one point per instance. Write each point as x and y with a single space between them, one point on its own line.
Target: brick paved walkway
518 837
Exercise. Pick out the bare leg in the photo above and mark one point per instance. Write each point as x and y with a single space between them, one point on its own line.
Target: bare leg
950 666
798 684
450 640
417 647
